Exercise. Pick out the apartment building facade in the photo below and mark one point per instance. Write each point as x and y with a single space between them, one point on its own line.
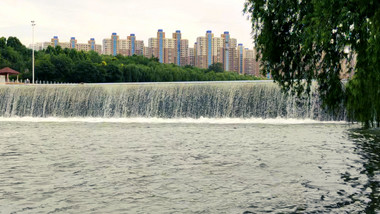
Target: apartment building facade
71 44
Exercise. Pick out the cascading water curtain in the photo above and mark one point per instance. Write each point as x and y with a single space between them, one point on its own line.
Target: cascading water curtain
171 100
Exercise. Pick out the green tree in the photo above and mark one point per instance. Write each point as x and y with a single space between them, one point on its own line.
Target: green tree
85 71
216 67
114 74
15 44
3 42
301 41
45 69
94 57
63 67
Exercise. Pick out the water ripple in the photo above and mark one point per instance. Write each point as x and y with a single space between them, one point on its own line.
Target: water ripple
186 168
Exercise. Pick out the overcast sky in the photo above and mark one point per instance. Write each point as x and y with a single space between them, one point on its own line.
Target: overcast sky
97 19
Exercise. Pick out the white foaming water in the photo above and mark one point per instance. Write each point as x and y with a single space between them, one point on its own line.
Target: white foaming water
274 121
217 100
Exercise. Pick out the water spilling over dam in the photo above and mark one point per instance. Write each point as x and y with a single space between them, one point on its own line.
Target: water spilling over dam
163 100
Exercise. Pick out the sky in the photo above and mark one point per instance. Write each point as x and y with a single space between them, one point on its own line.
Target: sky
85 19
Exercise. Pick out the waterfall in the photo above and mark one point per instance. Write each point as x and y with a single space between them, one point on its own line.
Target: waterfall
163 100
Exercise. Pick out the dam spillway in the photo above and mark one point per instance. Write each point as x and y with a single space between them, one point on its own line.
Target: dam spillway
248 99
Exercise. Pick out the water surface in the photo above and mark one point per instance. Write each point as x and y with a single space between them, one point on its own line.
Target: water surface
195 167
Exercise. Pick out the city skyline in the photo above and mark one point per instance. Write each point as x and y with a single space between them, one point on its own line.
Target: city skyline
99 41
206 50
96 19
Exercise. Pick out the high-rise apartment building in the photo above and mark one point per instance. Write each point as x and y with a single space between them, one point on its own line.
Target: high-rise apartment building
160 45
226 47
139 47
122 47
112 46
201 50
73 43
209 36
131 44
152 50
169 51
184 52
192 56
233 55
217 50
256 64
82 47
92 46
55 41
241 56
107 46
177 36
148 52
115 44
249 62
195 54
230 53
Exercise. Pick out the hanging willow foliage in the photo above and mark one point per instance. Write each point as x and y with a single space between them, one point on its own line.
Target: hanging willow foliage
299 41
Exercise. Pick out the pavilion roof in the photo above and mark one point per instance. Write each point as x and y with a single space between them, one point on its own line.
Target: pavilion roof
8 70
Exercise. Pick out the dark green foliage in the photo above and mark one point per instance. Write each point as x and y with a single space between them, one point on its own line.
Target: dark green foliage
45 69
14 43
363 91
85 71
68 65
114 74
63 67
3 42
301 41
14 54
216 67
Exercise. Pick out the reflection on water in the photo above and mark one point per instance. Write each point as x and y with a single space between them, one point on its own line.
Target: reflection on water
106 167
368 146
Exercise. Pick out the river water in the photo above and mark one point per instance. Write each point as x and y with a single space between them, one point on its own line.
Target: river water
68 165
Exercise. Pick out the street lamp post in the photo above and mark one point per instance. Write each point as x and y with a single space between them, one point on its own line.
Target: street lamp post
33 24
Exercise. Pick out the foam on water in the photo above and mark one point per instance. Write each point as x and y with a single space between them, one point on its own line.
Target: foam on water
274 121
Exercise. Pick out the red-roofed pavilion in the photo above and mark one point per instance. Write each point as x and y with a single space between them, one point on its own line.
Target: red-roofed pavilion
5 72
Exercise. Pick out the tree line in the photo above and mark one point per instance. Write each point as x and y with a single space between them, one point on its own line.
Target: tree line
69 65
